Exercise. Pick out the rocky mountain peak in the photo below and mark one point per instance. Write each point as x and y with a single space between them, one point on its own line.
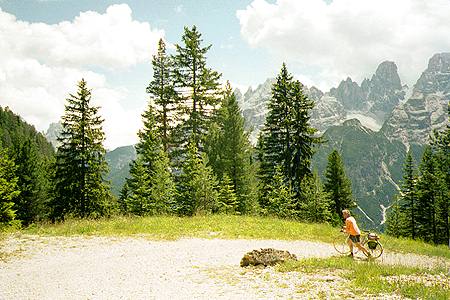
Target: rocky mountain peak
248 93
412 121
387 75
350 94
314 93
238 94
436 78
53 132
440 62
384 91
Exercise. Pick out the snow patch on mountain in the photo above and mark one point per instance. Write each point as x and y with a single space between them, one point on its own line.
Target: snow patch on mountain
365 120
383 213
388 175
365 215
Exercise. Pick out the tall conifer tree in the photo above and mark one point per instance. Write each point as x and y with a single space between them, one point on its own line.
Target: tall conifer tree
197 87
162 91
32 183
440 142
229 151
142 193
80 161
338 185
407 213
288 138
426 198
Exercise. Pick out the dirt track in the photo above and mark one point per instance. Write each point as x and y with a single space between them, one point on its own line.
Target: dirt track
135 268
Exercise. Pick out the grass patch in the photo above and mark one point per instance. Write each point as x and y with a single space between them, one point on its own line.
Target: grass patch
371 278
413 246
170 228
217 226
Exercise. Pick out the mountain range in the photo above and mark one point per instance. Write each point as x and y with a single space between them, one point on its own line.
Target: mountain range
372 125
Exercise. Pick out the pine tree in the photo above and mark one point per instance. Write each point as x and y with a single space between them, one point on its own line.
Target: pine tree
280 196
30 205
303 139
442 208
440 142
149 143
150 189
80 161
162 90
337 185
407 210
123 196
163 190
315 204
426 198
276 140
197 184
229 151
227 200
8 188
136 191
197 87
287 138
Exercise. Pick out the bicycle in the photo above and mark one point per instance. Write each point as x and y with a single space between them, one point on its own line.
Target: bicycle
369 240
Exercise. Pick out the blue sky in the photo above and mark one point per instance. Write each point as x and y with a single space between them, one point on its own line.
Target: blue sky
47 45
216 20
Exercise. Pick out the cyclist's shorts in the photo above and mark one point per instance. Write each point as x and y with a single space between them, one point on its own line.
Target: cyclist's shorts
355 238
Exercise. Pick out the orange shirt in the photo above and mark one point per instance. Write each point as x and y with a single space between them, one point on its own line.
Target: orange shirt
351 227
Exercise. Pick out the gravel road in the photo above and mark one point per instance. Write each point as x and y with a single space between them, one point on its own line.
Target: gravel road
33 267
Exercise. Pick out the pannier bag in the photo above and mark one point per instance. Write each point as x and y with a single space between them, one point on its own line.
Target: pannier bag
372 244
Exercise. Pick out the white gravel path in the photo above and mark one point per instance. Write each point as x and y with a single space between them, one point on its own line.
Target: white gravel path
136 268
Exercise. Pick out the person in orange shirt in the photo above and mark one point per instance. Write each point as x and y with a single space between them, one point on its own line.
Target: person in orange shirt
354 233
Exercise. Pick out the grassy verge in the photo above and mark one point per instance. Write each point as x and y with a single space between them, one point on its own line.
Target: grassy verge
367 279
413 246
218 226
170 228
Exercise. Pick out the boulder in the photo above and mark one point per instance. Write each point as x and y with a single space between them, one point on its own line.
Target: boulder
266 257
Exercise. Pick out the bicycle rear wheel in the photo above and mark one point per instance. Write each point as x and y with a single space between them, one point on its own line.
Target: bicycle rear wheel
341 245
375 248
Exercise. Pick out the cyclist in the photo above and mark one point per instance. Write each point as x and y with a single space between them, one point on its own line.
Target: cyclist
354 233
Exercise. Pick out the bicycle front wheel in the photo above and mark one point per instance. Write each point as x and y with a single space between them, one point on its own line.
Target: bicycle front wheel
341 245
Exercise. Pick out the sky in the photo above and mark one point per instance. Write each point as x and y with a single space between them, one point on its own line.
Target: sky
47 46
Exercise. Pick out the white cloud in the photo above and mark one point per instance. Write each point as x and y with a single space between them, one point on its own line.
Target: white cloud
40 64
110 40
349 37
121 124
